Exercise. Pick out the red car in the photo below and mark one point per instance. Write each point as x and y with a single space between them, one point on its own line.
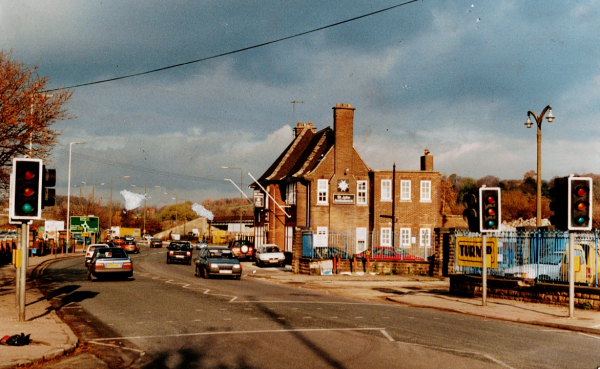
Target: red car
388 253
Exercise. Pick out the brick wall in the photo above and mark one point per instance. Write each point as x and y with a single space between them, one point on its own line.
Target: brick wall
547 293
310 266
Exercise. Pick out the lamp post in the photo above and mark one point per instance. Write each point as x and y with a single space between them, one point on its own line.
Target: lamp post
111 201
528 123
241 193
69 194
93 187
145 192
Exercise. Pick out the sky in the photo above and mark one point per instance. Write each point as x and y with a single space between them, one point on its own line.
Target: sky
454 77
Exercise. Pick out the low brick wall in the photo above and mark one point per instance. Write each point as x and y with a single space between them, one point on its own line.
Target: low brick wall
312 266
528 291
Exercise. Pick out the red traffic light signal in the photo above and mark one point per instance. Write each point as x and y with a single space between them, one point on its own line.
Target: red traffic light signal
579 204
25 189
489 208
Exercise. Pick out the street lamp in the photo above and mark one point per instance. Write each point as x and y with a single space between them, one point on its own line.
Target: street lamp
145 192
111 201
69 194
528 124
241 193
93 187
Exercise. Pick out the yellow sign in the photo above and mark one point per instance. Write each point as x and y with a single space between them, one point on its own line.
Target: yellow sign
85 234
469 252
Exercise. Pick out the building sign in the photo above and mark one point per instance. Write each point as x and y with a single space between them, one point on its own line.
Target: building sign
343 199
259 199
469 252
84 224
343 185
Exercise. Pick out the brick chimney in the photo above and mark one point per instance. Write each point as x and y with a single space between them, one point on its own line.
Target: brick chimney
343 129
302 126
427 161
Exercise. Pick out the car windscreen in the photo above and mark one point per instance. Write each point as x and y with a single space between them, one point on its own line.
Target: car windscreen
110 253
179 246
270 249
216 253
552 259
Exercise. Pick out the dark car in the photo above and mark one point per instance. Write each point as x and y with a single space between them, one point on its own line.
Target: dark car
130 246
156 242
242 249
218 261
110 261
329 253
179 251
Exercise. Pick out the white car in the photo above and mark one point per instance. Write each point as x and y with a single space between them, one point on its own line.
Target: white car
269 255
546 270
90 251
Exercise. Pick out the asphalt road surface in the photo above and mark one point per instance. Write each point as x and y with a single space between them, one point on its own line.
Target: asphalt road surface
165 317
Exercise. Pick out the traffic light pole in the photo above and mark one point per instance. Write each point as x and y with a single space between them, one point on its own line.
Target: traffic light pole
484 270
23 271
571 273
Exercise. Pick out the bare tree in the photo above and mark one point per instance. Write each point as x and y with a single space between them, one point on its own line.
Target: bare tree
27 114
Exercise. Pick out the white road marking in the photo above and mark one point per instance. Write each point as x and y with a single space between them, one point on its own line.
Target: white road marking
310 302
241 332
205 292
142 353
589 335
187 285
595 326
198 320
236 297
387 335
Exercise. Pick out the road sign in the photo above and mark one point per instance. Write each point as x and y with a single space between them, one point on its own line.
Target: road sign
85 224
469 252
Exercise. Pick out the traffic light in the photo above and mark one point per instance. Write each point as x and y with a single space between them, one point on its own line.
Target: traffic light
489 209
48 180
471 213
580 204
558 205
25 189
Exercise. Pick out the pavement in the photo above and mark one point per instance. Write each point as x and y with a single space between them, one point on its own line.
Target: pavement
53 338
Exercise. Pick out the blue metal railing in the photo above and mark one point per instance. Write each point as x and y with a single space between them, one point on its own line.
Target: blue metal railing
540 255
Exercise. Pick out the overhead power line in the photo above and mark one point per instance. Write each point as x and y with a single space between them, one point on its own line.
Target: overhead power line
238 50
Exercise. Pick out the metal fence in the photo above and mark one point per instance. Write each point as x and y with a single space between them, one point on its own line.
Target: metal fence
542 256
372 245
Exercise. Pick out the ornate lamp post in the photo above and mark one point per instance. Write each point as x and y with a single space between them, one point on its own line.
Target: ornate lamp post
528 124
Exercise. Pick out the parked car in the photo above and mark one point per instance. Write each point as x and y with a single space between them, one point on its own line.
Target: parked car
242 249
269 255
156 242
118 241
201 244
218 260
388 253
130 246
90 251
110 261
546 270
179 251
128 238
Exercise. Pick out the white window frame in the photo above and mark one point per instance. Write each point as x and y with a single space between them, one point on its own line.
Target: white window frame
405 237
425 237
386 236
290 193
405 190
386 190
321 238
361 192
426 191
322 192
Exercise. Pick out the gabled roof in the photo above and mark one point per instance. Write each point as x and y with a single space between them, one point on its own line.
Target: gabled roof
301 156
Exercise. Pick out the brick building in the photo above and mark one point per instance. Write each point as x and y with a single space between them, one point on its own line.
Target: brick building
320 183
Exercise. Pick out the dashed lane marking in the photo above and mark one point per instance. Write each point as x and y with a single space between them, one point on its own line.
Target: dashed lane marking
387 335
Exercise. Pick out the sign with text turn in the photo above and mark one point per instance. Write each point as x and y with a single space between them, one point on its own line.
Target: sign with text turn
469 252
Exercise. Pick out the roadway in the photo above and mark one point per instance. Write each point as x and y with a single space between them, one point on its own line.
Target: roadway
165 317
